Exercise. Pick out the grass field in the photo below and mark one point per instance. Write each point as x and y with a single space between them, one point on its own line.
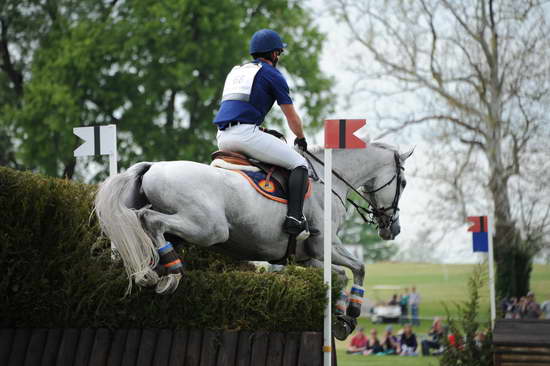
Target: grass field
437 284
355 360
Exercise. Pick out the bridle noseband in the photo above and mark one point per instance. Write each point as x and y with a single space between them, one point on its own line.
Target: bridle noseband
372 215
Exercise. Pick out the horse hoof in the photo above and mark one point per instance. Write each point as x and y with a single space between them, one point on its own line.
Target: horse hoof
168 284
354 311
343 326
146 278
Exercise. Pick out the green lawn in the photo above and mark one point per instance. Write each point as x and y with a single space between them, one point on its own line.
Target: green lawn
437 284
356 360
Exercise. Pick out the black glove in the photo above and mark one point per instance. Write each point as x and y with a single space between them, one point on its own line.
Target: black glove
301 143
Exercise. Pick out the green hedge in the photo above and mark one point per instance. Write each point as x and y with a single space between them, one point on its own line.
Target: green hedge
56 271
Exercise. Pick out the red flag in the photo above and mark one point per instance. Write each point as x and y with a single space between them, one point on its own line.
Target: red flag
339 134
479 224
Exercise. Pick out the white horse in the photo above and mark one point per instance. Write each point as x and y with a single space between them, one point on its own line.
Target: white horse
218 208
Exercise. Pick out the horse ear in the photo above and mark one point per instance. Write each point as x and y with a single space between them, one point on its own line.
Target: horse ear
407 154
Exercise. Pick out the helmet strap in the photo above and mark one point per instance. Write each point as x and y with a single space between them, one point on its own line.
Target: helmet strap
274 58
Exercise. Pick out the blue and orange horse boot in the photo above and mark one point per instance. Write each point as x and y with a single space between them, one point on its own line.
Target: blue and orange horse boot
355 301
170 269
169 259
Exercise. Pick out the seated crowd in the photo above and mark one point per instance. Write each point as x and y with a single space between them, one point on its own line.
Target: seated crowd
389 344
525 308
405 343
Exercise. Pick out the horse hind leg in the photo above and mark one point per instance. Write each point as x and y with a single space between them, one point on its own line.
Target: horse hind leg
170 266
201 229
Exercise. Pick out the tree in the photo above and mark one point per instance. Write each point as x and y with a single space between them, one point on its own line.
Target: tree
156 69
479 76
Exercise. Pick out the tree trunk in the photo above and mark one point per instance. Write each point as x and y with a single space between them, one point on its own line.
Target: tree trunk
514 266
68 171
513 262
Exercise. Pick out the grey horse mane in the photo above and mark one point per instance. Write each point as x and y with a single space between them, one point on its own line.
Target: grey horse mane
382 145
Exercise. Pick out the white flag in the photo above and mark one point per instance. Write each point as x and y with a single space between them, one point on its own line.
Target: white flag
98 140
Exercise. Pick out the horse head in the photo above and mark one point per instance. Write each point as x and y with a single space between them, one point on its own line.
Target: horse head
383 192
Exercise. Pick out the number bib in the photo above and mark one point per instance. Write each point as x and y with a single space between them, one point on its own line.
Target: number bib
238 84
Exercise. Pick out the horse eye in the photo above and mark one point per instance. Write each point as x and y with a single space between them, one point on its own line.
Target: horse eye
403 184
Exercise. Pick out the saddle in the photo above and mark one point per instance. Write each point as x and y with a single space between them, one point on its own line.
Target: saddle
236 161
268 180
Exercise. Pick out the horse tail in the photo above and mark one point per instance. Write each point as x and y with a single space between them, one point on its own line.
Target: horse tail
115 205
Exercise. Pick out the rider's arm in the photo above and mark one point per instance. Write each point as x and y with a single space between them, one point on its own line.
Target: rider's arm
293 119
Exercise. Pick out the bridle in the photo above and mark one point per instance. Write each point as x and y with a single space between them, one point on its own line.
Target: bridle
373 214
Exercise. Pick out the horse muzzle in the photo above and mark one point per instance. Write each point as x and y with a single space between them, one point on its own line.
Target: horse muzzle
395 228
389 233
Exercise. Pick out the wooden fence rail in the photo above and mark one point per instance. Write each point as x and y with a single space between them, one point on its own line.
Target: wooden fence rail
522 342
158 347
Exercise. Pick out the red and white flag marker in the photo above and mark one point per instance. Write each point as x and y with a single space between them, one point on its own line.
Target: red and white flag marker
339 134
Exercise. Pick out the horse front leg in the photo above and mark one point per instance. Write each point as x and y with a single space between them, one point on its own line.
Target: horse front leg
346 315
340 256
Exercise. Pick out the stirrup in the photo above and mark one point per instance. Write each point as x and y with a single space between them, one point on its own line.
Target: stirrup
300 228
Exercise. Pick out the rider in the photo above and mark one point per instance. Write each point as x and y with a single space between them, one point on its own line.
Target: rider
249 93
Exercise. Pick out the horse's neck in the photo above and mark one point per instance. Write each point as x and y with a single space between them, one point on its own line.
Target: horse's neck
357 166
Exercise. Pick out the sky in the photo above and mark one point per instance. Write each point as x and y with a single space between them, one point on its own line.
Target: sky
454 244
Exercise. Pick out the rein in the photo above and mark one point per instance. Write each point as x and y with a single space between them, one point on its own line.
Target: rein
373 210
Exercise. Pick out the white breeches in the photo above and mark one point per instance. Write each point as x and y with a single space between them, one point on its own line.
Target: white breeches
249 140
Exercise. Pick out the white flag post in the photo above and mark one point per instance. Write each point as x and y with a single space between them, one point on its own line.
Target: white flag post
339 134
491 260
327 264
98 140
482 235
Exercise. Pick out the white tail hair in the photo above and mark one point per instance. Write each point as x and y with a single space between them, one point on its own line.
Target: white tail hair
122 225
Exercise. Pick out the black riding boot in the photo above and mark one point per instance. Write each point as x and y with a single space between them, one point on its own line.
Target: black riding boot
295 222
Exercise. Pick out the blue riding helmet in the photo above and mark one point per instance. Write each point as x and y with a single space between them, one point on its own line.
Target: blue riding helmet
266 40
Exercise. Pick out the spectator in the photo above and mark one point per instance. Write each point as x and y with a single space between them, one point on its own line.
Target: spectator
389 342
358 343
404 304
414 303
530 309
520 308
452 340
479 339
408 342
373 344
545 308
393 300
504 305
512 308
436 333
